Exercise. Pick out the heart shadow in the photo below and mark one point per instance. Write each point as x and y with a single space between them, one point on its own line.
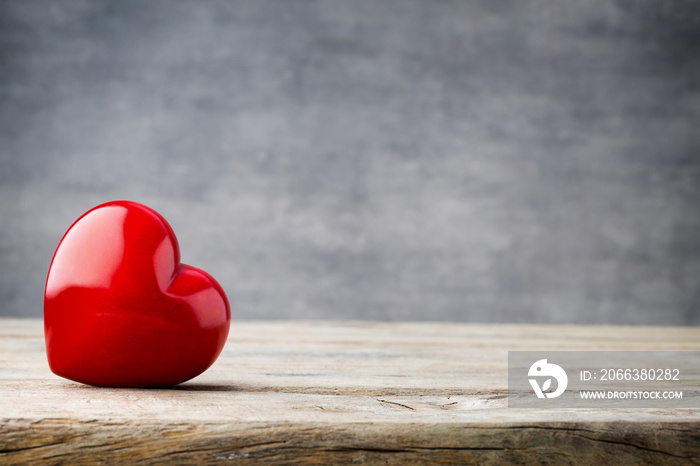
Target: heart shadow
207 387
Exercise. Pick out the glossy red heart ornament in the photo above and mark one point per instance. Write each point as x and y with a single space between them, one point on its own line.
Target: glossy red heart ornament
119 308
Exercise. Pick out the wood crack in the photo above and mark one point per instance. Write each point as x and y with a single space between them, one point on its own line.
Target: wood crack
33 447
640 447
397 404
243 450
411 448
578 432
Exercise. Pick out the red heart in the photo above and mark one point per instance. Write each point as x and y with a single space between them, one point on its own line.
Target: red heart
119 308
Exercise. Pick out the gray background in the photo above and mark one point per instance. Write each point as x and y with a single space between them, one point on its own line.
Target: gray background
511 161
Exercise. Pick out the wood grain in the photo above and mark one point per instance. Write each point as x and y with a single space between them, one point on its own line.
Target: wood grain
324 392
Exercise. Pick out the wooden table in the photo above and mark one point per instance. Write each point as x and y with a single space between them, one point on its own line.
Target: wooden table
325 392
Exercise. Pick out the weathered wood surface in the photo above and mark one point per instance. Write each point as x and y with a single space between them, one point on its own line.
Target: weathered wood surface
322 392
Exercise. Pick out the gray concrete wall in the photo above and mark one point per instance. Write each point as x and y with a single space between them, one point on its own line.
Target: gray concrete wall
509 161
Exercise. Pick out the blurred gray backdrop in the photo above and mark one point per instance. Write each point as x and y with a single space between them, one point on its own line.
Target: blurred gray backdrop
504 161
